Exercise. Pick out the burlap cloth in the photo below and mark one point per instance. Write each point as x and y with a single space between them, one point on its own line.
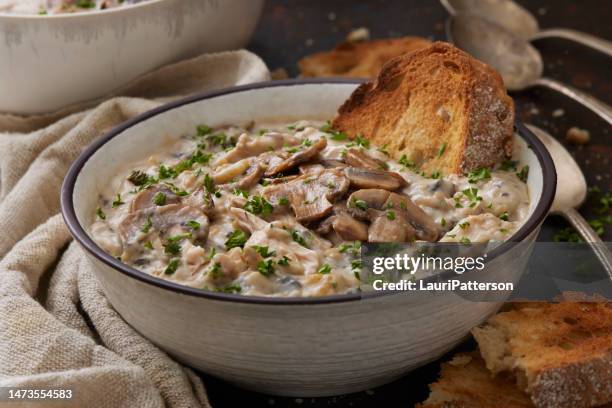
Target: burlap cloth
57 330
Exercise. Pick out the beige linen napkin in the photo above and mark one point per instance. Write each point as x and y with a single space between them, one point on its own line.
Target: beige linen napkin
57 330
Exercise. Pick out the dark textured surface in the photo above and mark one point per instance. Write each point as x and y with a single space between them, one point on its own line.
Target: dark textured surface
293 28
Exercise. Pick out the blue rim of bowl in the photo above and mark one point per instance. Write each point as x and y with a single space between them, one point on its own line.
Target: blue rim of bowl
78 232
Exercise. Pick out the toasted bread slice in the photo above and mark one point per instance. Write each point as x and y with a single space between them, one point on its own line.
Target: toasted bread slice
465 383
561 354
441 108
362 59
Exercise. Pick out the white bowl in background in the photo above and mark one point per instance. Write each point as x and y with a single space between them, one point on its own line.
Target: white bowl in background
49 62
286 346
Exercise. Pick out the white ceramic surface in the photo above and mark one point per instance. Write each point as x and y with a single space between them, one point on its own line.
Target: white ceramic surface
299 348
49 62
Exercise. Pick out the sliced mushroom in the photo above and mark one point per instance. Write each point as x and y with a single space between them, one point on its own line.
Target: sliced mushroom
426 227
310 196
328 164
231 171
361 201
371 204
144 200
311 169
358 158
169 219
249 147
297 158
444 186
384 229
202 200
369 178
349 228
252 177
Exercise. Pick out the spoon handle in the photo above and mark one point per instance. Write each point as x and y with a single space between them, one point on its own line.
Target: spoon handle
602 109
596 43
587 233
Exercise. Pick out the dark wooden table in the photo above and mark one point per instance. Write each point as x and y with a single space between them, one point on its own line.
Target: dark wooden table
293 28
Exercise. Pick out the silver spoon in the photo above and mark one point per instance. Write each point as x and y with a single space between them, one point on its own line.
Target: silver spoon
518 62
521 22
571 193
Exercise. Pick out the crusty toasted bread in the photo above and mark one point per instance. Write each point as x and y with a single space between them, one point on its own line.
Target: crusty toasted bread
444 110
561 354
362 59
465 383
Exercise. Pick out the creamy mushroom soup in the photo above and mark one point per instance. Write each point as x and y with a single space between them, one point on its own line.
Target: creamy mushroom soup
44 7
281 210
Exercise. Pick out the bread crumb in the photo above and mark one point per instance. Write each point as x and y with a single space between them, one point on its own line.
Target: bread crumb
578 136
279 73
358 34
557 113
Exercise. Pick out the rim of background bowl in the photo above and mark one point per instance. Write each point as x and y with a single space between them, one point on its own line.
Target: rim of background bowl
76 14
78 232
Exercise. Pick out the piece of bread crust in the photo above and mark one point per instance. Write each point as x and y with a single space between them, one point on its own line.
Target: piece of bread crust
438 106
560 354
465 383
362 59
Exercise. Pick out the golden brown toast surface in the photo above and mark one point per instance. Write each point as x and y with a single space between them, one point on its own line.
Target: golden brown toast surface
362 59
465 382
441 108
561 354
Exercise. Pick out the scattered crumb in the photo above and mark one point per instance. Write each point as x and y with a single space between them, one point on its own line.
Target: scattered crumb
279 73
358 34
331 16
370 392
299 400
578 136
534 111
542 11
557 113
309 42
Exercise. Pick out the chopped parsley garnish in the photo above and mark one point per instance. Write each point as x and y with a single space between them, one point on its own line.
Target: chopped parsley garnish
504 216
508 165
360 204
383 149
159 199
475 176
176 190
258 205
216 271
324 269
85 4
283 201
472 195
117 201
240 192
236 239
391 215
338 136
284 261
464 225
465 240
100 213
234 288
266 267
139 178
203 130
503 230
173 246
172 172
209 184
360 141
435 175
523 174
263 251
406 162
326 127
356 264
172 266
441 150
443 222
148 245
193 224
297 237
357 275
354 248
146 227
165 172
